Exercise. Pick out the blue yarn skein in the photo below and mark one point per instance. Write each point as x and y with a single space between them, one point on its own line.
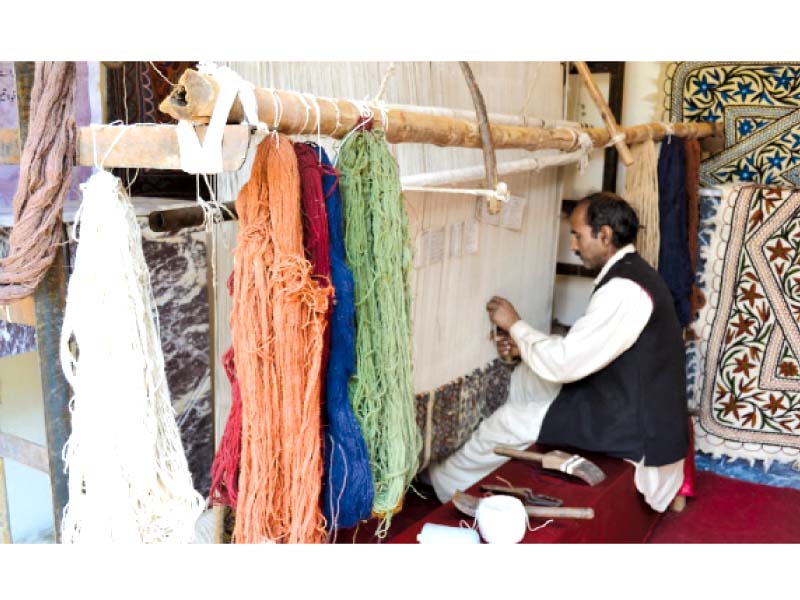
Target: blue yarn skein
347 484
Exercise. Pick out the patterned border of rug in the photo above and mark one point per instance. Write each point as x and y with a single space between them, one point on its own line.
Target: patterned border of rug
448 415
759 105
747 383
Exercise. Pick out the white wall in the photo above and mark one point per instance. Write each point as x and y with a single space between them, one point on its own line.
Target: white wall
30 503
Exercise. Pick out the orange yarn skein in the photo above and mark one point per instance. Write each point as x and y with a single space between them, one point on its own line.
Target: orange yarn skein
277 325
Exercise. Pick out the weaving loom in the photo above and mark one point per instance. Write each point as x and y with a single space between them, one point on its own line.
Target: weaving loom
448 318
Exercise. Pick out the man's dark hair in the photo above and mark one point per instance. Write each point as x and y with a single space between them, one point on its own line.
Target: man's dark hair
606 208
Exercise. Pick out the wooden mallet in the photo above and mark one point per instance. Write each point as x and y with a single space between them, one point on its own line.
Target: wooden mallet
571 464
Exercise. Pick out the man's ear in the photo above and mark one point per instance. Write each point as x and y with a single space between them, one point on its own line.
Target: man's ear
606 234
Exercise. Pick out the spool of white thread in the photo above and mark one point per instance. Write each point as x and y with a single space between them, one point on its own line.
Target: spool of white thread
442 534
502 519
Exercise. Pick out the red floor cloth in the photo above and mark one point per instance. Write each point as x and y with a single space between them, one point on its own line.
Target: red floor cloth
621 514
725 510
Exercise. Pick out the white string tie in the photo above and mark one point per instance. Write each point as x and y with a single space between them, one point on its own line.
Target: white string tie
669 130
384 82
585 145
619 137
367 116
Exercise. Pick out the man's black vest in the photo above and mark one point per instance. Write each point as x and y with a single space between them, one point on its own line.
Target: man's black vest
636 405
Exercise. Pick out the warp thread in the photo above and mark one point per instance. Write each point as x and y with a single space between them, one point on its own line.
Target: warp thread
641 191
225 468
129 480
347 486
44 180
379 253
674 264
277 325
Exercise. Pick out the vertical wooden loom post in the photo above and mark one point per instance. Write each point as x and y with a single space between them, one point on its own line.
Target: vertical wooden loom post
605 112
49 301
5 518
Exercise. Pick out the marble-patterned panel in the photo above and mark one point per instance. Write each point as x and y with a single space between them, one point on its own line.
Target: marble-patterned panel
178 272
14 338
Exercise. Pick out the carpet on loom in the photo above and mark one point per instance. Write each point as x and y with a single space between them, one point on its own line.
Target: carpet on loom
757 102
728 511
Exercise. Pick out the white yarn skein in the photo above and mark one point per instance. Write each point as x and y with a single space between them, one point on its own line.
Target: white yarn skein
129 480
443 534
502 519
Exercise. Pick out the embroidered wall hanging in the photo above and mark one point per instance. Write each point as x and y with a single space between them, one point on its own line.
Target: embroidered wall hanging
759 105
747 385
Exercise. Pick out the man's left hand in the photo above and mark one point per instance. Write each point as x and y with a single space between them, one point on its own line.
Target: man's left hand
502 313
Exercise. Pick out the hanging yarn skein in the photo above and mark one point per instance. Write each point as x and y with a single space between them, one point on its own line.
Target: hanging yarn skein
378 251
347 486
45 171
641 192
277 325
129 480
225 467
674 263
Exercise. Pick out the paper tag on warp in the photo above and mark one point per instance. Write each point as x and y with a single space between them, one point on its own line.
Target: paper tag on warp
509 216
471 236
437 245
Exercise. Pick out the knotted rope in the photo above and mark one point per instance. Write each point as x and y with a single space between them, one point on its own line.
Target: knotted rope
376 238
277 325
44 180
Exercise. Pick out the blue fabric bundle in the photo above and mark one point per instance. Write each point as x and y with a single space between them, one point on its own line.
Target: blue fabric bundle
674 263
347 485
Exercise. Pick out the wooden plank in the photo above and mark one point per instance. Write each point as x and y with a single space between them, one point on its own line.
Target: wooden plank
24 451
19 311
156 146
5 518
50 299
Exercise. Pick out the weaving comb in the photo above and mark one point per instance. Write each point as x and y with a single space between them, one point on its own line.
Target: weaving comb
571 464
468 505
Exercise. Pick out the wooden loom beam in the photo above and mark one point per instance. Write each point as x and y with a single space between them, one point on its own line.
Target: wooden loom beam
156 146
195 94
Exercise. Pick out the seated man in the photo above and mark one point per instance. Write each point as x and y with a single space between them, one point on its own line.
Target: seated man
615 384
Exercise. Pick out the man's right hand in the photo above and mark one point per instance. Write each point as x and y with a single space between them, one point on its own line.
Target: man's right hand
502 313
506 346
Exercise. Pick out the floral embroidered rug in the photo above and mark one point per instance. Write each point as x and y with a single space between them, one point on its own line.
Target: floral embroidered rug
745 369
759 105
